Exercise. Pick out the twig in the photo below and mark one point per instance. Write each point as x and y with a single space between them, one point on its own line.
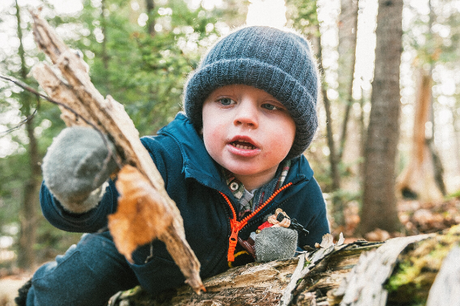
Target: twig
40 95
28 88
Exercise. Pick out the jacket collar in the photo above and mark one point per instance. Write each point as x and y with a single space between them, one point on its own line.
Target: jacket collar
197 163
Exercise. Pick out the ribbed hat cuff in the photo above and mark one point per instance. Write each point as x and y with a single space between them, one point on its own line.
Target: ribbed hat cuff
260 75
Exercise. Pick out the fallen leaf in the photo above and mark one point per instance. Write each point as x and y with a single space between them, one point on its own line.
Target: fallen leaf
377 235
327 241
140 217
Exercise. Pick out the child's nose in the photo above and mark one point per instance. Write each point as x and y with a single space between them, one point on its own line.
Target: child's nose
247 114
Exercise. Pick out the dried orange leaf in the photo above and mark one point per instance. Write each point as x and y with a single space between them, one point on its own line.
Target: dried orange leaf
141 216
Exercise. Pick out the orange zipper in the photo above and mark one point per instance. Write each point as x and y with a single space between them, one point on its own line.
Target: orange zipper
236 225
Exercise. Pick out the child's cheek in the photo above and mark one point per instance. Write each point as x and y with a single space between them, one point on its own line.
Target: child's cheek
212 140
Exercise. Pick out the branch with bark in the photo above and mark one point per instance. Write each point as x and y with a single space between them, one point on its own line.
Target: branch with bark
68 82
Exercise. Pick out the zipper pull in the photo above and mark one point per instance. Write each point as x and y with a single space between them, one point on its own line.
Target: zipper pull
236 226
233 240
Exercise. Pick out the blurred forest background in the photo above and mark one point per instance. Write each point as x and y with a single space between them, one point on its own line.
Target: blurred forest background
387 154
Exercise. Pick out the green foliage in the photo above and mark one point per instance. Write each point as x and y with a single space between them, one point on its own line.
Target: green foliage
143 72
454 195
302 15
9 193
434 36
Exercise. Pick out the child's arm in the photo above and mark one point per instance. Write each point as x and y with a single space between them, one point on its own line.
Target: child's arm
76 167
88 222
75 171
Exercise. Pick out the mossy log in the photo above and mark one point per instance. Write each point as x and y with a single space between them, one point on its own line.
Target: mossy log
399 271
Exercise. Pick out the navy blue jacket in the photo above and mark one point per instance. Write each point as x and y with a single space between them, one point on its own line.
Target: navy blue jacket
193 181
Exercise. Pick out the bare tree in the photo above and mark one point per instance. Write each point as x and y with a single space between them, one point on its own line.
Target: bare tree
456 128
419 177
150 5
379 200
29 205
337 211
105 56
348 27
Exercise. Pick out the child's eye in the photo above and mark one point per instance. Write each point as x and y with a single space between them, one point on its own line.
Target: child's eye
270 106
226 101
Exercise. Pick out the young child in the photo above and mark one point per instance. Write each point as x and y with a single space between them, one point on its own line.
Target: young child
236 153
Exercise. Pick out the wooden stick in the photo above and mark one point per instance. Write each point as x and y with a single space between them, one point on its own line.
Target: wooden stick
74 89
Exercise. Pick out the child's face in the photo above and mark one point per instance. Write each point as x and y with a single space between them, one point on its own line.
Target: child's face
248 132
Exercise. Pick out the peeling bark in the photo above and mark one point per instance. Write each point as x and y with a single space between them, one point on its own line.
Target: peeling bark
311 275
82 104
334 274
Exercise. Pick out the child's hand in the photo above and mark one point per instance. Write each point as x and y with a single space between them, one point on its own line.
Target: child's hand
275 243
76 166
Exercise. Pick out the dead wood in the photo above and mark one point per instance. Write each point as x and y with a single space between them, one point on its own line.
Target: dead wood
308 276
364 284
68 82
445 287
414 276
359 273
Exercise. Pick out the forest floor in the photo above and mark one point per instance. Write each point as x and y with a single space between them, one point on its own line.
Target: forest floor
417 218
9 286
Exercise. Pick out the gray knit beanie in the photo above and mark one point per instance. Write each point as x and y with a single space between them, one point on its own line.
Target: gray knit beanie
276 61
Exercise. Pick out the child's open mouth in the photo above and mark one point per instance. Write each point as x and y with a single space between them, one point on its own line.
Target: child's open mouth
243 145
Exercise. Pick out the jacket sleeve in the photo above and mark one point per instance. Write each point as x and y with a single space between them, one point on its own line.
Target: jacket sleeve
88 222
308 207
318 224
96 219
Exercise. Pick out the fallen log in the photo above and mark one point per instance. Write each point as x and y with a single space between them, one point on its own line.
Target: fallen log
359 273
68 84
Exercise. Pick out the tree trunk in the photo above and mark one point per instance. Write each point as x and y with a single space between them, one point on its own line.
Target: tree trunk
379 200
418 179
337 205
456 129
362 133
348 27
309 11
29 205
105 56
150 22
345 274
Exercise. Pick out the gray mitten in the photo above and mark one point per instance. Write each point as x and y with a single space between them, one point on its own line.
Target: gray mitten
275 243
74 170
